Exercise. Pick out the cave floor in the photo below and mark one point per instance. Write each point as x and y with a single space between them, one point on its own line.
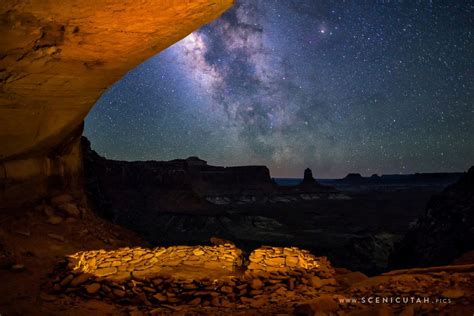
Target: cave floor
35 252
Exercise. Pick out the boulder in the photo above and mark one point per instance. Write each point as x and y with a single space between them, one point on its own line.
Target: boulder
92 288
80 279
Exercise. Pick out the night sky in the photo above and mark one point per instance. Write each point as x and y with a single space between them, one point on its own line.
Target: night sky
337 86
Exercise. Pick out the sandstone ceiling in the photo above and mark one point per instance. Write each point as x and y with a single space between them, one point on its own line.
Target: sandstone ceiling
58 57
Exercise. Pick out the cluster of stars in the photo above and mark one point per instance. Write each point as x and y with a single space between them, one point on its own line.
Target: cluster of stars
336 86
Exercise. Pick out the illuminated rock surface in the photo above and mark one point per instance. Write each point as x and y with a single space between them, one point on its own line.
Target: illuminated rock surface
147 263
200 276
32 286
277 280
57 58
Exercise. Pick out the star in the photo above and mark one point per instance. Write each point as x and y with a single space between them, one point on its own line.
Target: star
320 84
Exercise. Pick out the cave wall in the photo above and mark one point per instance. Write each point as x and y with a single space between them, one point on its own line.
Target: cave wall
56 59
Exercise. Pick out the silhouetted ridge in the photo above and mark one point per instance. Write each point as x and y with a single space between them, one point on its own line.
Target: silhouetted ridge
444 232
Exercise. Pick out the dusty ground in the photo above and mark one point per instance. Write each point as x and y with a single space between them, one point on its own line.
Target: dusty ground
27 237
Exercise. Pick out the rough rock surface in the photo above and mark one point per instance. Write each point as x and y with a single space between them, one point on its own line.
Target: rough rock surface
302 284
195 276
32 286
122 263
57 58
277 259
444 232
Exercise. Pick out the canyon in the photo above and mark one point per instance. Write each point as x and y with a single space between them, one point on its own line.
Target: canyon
81 234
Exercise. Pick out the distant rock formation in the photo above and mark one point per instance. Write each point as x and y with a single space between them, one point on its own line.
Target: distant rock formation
176 185
163 197
375 177
353 177
398 181
444 232
308 179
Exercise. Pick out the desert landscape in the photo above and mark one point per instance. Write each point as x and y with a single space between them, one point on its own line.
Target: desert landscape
338 136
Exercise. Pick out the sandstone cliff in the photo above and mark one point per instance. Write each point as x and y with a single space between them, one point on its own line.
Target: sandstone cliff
56 59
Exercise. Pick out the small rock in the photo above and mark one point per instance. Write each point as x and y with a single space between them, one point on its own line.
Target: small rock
92 288
225 303
198 252
106 289
66 280
226 289
149 289
48 210
118 293
275 262
161 297
259 302
195 301
157 281
256 284
315 282
80 279
291 261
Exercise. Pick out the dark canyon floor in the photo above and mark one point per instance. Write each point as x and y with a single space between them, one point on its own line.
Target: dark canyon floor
357 232
354 221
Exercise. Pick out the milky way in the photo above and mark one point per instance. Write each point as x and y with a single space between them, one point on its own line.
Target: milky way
337 86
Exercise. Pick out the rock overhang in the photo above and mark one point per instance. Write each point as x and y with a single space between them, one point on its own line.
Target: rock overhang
56 60
58 57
